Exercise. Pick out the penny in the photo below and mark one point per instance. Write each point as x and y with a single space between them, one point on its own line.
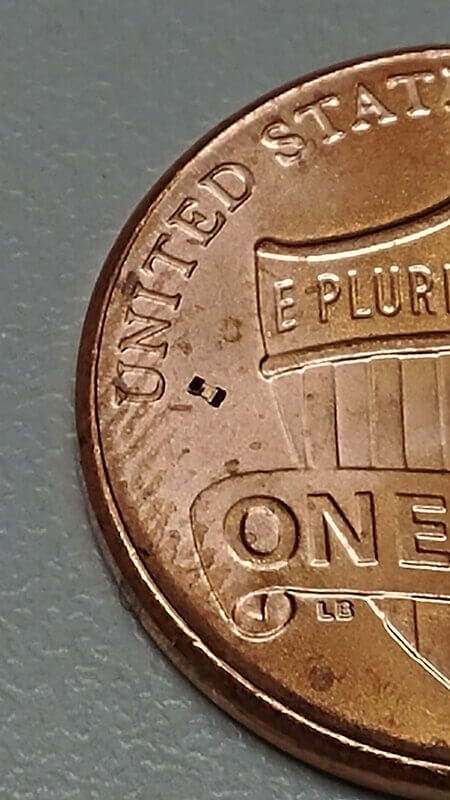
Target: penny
263 407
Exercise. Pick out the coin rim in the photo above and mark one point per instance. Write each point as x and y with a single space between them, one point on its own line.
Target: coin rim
317 745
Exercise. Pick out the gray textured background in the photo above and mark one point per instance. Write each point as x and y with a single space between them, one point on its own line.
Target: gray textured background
98 97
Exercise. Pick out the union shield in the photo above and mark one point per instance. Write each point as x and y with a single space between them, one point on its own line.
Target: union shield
356 343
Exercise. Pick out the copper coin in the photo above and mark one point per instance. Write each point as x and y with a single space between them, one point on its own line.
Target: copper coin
263 407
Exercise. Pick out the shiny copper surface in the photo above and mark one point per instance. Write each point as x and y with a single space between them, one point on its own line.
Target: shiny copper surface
263 407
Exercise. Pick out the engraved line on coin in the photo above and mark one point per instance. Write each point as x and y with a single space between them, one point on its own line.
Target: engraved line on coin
272 366
412 651
274 250
242 623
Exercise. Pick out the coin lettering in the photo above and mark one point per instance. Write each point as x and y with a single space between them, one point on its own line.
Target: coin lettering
143 347
402 94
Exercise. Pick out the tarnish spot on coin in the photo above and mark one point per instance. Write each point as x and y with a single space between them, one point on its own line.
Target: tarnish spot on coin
184 346
232 465
321 678
129 284
230 330
261 531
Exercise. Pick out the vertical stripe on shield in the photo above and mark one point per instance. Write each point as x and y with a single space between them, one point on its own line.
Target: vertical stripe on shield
319 398
421 413
290 397
352 413
443 379
386 417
